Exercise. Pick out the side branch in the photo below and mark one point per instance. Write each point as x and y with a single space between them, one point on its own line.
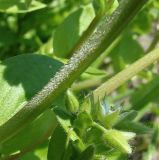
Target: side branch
126 74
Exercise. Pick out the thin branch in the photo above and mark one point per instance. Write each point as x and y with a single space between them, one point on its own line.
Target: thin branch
154 42
125 75
87 84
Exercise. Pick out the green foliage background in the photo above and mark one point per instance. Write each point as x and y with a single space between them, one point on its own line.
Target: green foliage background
30 30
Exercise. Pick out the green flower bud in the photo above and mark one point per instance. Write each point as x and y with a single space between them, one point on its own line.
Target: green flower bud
104 113
118 140
72 103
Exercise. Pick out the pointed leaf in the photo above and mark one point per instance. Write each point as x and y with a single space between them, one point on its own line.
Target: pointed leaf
87 154
58 144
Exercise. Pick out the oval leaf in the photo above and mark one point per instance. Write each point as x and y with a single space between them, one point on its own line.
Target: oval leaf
21 78
38 131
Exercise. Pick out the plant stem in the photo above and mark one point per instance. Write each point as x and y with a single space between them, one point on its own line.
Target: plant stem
125 75
87 84
154 42
107 29
104 130
101 58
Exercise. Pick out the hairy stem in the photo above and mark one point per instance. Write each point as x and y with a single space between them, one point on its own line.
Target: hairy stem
107 29
125 75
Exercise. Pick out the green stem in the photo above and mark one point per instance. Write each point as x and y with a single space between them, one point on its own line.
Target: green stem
101 58
125 75
104 130
154 42
87 84
107 29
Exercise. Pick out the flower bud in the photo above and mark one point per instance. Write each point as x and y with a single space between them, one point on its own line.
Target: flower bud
72 103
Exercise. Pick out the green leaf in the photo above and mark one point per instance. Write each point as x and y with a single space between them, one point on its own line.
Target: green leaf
120 56
8 39
19 6
64 120
31 156
136 127
38 130
142 22
152 147
126 117
111 119
145 94
69 152
39 153
20 80
95 136
155 135
117 140
58 144
82 123
78 21
87 154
